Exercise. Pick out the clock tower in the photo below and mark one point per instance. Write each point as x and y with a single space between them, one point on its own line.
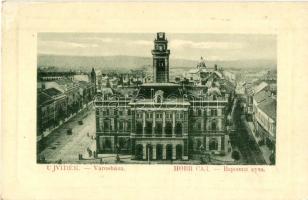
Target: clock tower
161 59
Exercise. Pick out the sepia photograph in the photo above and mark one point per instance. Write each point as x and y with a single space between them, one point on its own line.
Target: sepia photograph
156 98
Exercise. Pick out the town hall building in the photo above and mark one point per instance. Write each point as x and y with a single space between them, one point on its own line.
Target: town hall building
163 120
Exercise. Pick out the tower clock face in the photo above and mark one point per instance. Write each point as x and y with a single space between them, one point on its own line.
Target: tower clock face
160 47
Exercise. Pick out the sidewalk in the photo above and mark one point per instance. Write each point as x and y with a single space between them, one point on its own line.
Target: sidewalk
266 152
92 148
50 130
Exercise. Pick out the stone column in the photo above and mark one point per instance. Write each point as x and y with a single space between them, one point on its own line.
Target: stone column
173 152
219 112
207 144
154 152
219 143
144 151
112 124
164 123
143 124
173 124
202 121
164 152
154 124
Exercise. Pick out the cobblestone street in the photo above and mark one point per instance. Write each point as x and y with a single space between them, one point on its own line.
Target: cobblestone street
60 145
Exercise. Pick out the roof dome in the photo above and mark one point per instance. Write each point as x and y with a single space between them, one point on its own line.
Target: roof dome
201 63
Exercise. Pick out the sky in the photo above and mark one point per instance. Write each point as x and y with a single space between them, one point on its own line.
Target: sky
182 45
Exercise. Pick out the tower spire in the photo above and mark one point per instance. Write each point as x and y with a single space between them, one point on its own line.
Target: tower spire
161 59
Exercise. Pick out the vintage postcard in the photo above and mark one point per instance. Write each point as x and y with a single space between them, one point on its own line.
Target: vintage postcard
156 98
122 100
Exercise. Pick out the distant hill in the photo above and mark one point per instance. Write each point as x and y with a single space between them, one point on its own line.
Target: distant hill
126 63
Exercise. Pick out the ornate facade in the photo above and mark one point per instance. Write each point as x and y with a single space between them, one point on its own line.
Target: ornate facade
164 120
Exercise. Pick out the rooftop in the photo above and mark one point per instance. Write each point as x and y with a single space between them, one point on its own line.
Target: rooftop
43 98
261 96
268 106
260 87
52 92
169 90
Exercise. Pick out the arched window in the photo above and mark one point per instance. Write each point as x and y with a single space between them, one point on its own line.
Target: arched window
149 128
158 128
178 128
213 144
214 125
168 129
106 126
158 99
139 128
199 143
107 143
128 126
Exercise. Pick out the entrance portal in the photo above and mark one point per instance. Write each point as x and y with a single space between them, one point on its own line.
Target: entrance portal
179 152
213 144
139 152
169 152
159 152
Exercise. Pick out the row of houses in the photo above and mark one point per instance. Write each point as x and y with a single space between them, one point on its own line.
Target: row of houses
261 112
59 99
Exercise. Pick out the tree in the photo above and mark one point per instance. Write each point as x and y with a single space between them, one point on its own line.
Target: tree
235 155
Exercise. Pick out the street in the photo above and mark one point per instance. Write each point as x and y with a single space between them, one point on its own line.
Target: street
241 139
60 145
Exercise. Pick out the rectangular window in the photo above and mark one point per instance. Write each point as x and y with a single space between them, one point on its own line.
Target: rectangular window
128 126
199 126
214 112
106 126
